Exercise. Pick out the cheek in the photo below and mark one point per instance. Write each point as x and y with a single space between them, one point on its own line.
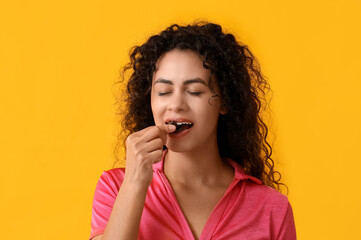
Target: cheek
208 114
154 109
157 111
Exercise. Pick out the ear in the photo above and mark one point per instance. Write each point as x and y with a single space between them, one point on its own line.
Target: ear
223 110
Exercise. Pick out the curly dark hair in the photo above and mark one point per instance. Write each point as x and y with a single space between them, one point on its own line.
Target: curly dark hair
242 86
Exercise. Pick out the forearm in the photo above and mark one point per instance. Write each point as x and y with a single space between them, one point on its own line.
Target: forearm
127 211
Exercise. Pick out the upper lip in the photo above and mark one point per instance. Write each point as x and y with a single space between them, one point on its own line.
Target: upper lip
178 120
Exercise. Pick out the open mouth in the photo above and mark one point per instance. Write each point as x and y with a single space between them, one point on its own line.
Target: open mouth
180 126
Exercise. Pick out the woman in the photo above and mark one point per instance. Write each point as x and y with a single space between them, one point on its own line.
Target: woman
198 165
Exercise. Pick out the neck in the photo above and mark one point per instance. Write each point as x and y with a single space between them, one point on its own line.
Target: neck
199 167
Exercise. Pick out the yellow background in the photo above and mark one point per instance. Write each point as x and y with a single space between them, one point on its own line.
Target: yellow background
60 59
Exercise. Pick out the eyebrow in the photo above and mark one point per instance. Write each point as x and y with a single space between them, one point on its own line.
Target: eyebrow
187 82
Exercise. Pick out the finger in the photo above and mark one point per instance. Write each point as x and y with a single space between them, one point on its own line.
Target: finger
160 131
156 156
168 128
153 145
165 129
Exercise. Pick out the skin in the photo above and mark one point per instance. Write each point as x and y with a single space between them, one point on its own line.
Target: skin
173 97
193 166
194 158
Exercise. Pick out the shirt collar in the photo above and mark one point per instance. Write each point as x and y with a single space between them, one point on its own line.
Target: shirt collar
239 171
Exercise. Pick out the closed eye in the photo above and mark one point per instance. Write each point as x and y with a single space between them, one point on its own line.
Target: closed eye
192 93
195 93
163 93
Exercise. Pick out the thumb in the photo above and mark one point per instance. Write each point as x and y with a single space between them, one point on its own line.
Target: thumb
168 128
165 129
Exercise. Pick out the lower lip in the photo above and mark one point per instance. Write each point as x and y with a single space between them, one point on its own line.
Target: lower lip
180 134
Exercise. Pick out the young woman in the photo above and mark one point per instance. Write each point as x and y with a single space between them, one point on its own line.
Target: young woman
198 165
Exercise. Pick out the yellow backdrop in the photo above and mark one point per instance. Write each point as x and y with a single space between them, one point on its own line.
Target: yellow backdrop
60 59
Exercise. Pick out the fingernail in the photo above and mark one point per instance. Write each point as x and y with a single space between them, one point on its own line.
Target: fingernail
171 127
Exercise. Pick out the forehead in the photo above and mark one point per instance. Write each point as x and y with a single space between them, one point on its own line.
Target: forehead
179 65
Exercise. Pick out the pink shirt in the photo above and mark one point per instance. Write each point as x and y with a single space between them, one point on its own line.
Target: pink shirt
248 210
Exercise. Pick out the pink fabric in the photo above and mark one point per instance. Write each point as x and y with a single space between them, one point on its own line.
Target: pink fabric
248 210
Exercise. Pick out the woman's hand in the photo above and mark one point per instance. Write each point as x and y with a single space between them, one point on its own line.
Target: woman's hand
144 148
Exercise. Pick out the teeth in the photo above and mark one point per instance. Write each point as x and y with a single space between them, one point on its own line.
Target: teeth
180 126
181 123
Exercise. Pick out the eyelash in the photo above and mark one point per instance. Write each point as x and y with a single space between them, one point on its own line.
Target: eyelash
195 93
192 93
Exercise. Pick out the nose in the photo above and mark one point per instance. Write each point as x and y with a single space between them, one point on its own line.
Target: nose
177 102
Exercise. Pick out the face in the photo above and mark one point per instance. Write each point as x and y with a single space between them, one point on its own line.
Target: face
180 93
